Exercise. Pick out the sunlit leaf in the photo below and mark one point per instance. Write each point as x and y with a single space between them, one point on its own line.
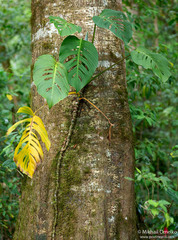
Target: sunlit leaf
154 212
153 203
138 170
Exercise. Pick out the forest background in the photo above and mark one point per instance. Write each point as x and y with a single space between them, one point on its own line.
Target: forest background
152 105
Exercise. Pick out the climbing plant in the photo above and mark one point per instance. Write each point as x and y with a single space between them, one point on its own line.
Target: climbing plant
77 62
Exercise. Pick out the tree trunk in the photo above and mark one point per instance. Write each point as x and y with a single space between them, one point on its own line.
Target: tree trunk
79 191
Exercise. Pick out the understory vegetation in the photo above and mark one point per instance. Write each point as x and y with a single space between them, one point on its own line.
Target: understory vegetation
152 106
154 116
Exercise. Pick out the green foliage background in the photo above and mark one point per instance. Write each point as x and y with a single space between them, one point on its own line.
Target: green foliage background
15 81
154 114
152 105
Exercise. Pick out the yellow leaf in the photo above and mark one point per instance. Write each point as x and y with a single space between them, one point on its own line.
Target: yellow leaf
13 127
29 156
9 97
28 153
40 128
26 110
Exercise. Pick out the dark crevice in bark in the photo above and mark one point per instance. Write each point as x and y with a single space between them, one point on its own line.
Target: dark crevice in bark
106 235
59 157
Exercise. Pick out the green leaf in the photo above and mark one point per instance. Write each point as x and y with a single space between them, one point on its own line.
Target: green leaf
64 28
163 207
116 22
139 177
175 164
174 154
138 170
154 212
168 219
176 146
154 61
50 78
173 195
165 181
168 110
80 58
9 164
153 203
128 178
163 202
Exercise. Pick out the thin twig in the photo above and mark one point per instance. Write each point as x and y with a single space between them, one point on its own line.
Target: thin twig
111 124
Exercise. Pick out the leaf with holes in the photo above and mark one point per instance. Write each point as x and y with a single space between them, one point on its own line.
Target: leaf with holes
28 152
80 58
116 22
149 60
50 78
64 28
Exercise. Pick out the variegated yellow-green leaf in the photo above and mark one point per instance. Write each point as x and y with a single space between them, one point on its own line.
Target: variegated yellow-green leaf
28 152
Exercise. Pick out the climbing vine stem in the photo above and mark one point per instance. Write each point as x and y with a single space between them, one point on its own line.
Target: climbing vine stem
94 31
59 157
109 68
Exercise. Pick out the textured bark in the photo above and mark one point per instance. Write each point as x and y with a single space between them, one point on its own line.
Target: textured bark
79 191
